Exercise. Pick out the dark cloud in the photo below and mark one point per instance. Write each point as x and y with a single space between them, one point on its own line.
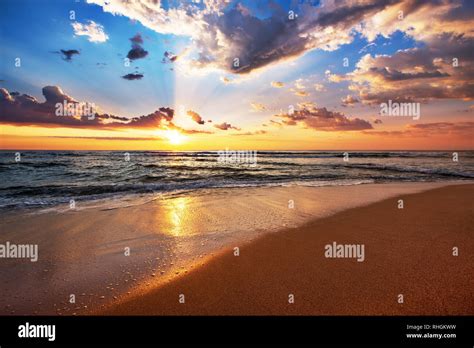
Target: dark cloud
137 39
169 57
223 31
113 117
159 117
394 75
133 76
24 110
196 117
137 51
322 119
54 94
68 54
352 13
258 42
225 126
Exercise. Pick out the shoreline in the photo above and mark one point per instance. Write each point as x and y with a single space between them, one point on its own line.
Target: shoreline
130 200
269 269
81 252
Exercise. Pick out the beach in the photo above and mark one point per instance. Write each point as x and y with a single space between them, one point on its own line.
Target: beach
409 252
139 259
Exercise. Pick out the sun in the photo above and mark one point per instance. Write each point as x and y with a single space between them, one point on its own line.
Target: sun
174 136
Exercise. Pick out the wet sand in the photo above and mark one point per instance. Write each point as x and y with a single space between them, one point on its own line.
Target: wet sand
408 252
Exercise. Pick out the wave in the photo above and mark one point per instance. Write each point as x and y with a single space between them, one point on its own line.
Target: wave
95 193
420 170
293 154
45 178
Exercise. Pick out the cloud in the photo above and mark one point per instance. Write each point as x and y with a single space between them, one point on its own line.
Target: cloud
307 105
377 121
54 94
137 51
24 110
421 74
334 77
225 80
106 138
349 100
94 31
214 27
196 117
190 131
225 126
258 107
137 39
322 119
133 76
258 132
299 84
222 31
465 129
273 122
301 93
420 20
277 84
318 87
169 57
68 54
441 66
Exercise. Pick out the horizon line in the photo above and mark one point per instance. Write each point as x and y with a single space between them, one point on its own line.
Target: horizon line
289 150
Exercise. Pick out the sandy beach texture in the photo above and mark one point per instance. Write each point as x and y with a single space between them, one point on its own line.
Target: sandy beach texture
184 246
408 252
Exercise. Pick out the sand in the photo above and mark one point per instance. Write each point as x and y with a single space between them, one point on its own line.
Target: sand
184 245
409 252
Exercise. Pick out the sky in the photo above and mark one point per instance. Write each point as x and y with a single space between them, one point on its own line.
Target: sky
216 74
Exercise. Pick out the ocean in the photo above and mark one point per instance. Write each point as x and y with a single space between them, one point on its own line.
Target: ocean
43 179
